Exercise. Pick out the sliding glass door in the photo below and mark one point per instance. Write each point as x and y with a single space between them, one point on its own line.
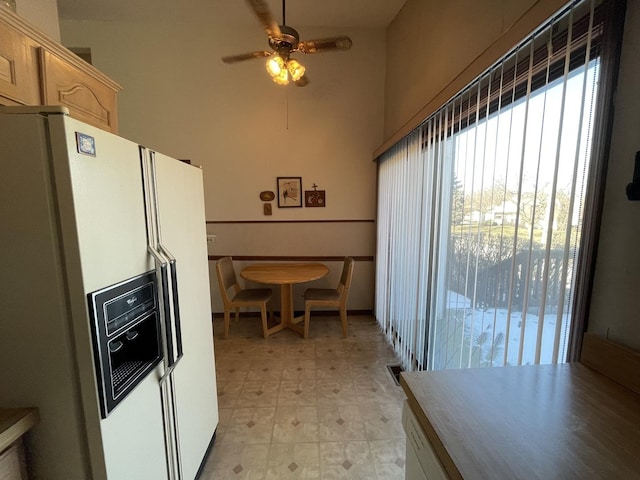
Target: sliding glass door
481 209
517 187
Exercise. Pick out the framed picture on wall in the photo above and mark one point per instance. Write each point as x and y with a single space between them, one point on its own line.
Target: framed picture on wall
315 198
289 192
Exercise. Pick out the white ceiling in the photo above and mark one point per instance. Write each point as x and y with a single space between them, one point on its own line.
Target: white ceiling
307 13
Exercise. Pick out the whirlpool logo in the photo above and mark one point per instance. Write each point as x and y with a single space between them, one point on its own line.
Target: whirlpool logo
132 300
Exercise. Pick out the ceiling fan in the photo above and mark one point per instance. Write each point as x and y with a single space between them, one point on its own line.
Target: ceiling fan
284 41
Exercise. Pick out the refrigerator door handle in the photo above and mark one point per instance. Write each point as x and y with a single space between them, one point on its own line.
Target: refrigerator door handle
163 258
168 331
168 372
165 307
176 309
176 303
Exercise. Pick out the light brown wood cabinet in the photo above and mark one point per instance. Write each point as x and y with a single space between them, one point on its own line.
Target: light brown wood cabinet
575 420
36 70
19 83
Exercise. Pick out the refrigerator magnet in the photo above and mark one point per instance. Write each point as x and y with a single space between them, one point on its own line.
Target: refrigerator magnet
86 144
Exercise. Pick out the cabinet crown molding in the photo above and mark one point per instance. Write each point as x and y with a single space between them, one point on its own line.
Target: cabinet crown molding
18 23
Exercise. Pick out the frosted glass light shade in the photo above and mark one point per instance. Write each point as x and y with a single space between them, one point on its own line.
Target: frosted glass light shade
295 70
282 78
275 65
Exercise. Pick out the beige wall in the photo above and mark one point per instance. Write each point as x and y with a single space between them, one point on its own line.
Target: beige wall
429 43
429 49
245 131
42 14
300 239
435 49
616 295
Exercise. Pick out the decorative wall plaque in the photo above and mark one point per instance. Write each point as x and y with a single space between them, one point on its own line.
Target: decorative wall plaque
267 196
314 198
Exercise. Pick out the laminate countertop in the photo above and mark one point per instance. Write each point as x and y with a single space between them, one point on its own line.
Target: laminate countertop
532 422
15 422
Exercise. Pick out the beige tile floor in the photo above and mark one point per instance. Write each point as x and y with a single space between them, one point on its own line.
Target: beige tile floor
321 408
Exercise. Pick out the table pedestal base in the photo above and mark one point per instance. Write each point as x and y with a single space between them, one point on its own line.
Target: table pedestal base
286 313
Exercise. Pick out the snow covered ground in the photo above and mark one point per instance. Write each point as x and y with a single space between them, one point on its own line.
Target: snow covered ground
523 329
485 330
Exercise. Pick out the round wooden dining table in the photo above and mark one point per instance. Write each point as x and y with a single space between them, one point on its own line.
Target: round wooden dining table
285 275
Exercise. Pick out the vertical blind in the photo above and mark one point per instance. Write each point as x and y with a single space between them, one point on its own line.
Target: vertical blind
480 210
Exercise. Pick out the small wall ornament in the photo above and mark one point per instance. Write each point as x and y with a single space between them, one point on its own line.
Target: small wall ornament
267 196
315 197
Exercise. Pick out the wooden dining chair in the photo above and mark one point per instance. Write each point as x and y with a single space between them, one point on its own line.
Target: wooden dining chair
239 297
330 297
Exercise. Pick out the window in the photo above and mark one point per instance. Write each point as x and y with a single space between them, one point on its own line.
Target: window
481 209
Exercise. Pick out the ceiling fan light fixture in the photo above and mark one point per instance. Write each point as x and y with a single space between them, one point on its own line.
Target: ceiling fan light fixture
282 78
284 41
275 65
295 70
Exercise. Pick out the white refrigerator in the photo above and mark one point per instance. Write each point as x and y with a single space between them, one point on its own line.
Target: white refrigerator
82 212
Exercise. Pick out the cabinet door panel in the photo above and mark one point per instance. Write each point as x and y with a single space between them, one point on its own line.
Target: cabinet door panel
86 98
18 68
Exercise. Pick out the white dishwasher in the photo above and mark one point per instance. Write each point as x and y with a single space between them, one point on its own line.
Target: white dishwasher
422 463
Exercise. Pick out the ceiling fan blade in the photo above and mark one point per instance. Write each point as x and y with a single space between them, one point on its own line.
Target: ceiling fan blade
263 13
302 81
324 44
246 56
